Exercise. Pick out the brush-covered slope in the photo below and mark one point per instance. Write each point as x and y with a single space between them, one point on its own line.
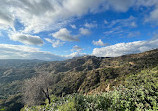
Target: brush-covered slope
87 74
139 93
13 72
84 74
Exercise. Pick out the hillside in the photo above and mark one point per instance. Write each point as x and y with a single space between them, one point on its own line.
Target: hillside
13 72
84 75
138 94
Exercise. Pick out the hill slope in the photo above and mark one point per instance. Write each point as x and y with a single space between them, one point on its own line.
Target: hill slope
138 94
83 74
13 72
87 74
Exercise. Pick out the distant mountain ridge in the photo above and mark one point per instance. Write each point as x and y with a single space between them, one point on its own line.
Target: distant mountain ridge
18 62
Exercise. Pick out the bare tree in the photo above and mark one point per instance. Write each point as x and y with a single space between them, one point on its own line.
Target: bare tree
36 89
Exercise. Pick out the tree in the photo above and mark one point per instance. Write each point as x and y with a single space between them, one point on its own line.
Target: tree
36 89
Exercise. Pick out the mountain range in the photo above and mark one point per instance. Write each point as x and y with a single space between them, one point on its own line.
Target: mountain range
85 75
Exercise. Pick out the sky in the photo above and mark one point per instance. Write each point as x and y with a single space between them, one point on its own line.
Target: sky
62 29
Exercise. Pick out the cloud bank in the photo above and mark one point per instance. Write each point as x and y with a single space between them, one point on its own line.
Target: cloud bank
125 48
44 15
26 52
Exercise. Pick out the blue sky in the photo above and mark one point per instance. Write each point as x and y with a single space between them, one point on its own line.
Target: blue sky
61 29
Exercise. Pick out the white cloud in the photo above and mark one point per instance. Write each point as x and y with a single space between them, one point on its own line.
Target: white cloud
154 14
120 27
55 43
5 21
6 18
26 39
76 48
90 25
133 34
106 22
74 54
1 34
155 35
146 3
121 5
125 48
73 26
133 24
128 22
9 51
153 17
64 35
84 31
99 43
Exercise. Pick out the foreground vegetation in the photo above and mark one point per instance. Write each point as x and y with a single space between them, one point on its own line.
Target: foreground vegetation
140 92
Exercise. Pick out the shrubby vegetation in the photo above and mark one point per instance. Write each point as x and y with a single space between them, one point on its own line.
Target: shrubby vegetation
139 93
13 103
